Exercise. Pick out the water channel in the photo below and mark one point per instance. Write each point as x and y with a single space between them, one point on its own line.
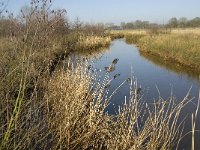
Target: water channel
155 77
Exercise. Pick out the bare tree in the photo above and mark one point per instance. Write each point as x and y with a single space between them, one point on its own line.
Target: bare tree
3 6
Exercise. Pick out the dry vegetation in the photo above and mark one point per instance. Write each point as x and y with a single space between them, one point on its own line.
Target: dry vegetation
71 115
92 42
79 121
176 45
41 108
186 30
183 49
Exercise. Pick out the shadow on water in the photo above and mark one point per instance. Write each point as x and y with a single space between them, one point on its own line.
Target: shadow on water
171 66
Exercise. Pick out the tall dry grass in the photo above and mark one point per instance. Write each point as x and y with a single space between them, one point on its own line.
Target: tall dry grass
77 102
92 42
72 115
28 59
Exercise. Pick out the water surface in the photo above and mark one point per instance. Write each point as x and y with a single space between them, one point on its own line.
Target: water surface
152 73
155 77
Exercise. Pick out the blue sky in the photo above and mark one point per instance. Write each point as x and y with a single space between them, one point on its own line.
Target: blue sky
122 10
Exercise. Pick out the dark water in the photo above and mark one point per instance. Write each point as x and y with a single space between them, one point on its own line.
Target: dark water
154 76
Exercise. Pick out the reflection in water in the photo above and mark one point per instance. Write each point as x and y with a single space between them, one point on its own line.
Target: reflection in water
170 66
110 69
107 86
115 76
91 54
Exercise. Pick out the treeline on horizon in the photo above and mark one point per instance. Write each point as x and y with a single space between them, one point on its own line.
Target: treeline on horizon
12 25
182 22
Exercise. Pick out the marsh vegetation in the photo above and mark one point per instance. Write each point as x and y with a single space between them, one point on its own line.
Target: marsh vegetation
46 107
177 45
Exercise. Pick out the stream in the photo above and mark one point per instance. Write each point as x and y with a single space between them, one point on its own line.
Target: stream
155 77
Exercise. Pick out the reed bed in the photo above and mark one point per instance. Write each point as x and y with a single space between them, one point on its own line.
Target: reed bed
72 115
133 38
186 31
77 102
92 42
181 48
116 35
137 31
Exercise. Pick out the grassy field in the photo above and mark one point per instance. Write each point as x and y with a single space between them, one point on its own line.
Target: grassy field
177 45
171 30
